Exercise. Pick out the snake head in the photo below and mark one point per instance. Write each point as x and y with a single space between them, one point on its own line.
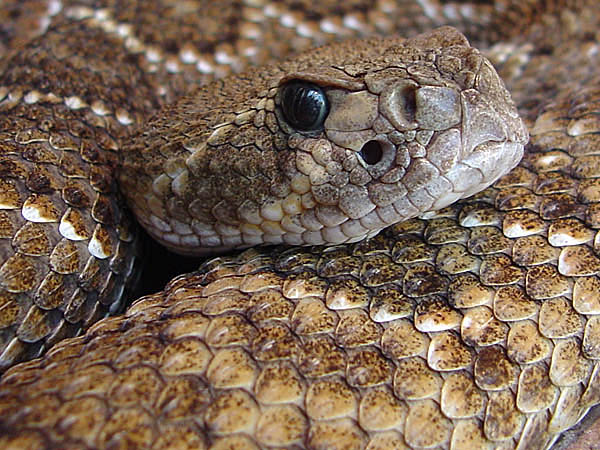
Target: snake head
327 148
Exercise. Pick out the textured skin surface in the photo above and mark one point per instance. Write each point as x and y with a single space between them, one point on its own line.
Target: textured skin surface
77 77
223 169
475 328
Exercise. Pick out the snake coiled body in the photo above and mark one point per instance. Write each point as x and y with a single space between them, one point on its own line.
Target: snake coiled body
473 328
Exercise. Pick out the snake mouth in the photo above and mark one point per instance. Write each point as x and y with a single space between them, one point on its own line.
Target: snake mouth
487 162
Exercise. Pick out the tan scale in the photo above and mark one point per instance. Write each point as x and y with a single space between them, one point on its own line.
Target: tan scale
473 327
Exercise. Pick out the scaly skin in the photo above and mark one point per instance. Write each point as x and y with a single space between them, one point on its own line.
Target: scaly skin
223 169
77 79
474 328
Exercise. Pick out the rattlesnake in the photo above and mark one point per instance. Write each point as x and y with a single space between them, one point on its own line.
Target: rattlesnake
474 327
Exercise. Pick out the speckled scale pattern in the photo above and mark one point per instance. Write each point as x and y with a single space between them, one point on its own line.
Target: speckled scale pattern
67 248
475 328
199 182
280 350
77 77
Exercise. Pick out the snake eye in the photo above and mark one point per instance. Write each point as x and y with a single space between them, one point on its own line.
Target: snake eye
304 105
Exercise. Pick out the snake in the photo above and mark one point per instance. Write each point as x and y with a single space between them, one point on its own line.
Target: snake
409 251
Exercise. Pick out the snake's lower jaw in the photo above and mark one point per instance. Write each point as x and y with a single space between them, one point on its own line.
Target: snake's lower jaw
496 167
486 163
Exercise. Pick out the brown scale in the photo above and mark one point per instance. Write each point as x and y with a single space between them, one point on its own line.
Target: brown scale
475 329
57 174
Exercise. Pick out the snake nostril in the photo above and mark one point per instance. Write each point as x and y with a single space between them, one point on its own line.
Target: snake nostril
410 102
371 152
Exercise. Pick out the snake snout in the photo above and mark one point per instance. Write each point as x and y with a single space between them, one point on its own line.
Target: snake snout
492 142
421 140
492 133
